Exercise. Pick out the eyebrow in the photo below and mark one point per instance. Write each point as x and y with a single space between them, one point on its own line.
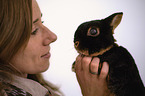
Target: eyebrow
37 19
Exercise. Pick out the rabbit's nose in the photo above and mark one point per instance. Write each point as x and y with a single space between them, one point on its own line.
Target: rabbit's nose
76 44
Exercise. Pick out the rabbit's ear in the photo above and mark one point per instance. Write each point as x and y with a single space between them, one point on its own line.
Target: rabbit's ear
114 20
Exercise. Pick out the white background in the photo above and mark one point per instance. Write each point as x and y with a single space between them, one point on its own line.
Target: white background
64 16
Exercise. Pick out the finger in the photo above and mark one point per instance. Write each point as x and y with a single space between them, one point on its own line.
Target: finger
104 71
78 65
85 63
94 65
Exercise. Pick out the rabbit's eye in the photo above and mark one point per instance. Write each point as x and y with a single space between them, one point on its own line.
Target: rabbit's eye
93 32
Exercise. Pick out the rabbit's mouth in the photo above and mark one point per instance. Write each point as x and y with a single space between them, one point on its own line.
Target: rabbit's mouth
88 52
83 52
79 50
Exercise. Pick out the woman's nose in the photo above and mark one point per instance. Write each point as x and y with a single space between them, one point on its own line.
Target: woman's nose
49 37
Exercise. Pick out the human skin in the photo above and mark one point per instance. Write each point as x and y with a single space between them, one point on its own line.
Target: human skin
91 84
35 57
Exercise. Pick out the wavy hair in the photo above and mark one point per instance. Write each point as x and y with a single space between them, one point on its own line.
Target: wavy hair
15 30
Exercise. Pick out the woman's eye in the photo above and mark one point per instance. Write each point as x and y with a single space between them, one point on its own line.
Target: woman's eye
93 32
34 32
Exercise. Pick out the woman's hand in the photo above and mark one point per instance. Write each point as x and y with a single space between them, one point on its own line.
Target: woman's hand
86 70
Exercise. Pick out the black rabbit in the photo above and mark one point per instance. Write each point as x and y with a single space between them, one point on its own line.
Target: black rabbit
95 38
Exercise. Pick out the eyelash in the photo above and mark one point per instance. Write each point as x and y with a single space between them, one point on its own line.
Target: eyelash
42 21
35 31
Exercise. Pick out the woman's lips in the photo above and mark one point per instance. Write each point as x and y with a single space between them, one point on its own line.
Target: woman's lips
47 55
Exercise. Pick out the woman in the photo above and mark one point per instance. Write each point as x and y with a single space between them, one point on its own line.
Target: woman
25 52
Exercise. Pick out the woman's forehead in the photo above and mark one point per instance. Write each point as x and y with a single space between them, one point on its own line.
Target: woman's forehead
36 13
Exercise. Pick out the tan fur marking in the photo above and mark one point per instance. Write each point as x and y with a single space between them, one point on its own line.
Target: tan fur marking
86 53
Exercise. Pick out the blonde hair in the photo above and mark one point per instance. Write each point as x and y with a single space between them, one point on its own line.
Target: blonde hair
15 30
15 26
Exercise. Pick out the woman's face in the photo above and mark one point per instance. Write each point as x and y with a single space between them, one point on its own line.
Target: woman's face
35 57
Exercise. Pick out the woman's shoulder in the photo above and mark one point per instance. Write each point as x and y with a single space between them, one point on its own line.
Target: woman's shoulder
12 90
19 86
